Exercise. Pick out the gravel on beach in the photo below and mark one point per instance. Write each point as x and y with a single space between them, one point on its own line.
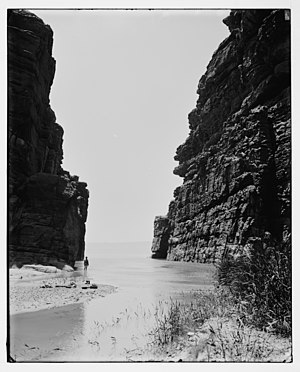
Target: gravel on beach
46 292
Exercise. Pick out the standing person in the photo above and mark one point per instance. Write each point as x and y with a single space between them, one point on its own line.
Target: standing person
86 263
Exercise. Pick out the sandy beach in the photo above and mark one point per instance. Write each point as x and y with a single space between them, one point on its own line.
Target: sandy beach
41 287
68 332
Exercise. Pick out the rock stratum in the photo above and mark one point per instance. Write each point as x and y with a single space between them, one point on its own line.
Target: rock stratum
47 206
236 161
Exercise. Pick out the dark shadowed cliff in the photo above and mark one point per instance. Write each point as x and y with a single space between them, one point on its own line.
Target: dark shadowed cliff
235 163
47 206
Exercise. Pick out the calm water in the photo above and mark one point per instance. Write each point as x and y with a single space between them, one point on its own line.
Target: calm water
109 328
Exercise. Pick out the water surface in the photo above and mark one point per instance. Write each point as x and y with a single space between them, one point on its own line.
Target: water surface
109 328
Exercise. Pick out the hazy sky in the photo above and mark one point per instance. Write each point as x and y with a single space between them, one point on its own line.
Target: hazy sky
125 82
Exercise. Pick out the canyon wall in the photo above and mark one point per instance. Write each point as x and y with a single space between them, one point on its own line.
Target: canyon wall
47 206
236 161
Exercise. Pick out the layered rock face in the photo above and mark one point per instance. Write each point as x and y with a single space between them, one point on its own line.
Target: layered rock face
235 162
47 206
160 242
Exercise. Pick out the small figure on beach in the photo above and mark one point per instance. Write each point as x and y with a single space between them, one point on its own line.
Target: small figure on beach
86 263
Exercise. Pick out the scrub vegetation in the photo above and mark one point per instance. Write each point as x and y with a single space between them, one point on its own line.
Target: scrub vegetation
246 318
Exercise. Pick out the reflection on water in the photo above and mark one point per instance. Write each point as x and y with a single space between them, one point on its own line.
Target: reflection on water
109 328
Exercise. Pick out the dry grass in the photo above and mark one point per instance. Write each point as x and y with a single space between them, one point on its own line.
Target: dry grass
246 318
260 279
213 327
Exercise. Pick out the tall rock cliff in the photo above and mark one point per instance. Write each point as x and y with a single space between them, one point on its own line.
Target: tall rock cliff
235 162
47 206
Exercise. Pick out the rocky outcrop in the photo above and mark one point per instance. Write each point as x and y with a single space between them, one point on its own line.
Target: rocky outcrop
161 236
47 206
235 162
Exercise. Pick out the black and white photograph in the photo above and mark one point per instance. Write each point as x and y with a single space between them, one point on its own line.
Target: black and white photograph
149 165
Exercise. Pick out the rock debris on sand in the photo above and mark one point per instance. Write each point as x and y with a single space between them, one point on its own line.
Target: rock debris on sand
46 292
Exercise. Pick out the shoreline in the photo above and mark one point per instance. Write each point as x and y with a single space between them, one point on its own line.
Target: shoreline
32 290
199 341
